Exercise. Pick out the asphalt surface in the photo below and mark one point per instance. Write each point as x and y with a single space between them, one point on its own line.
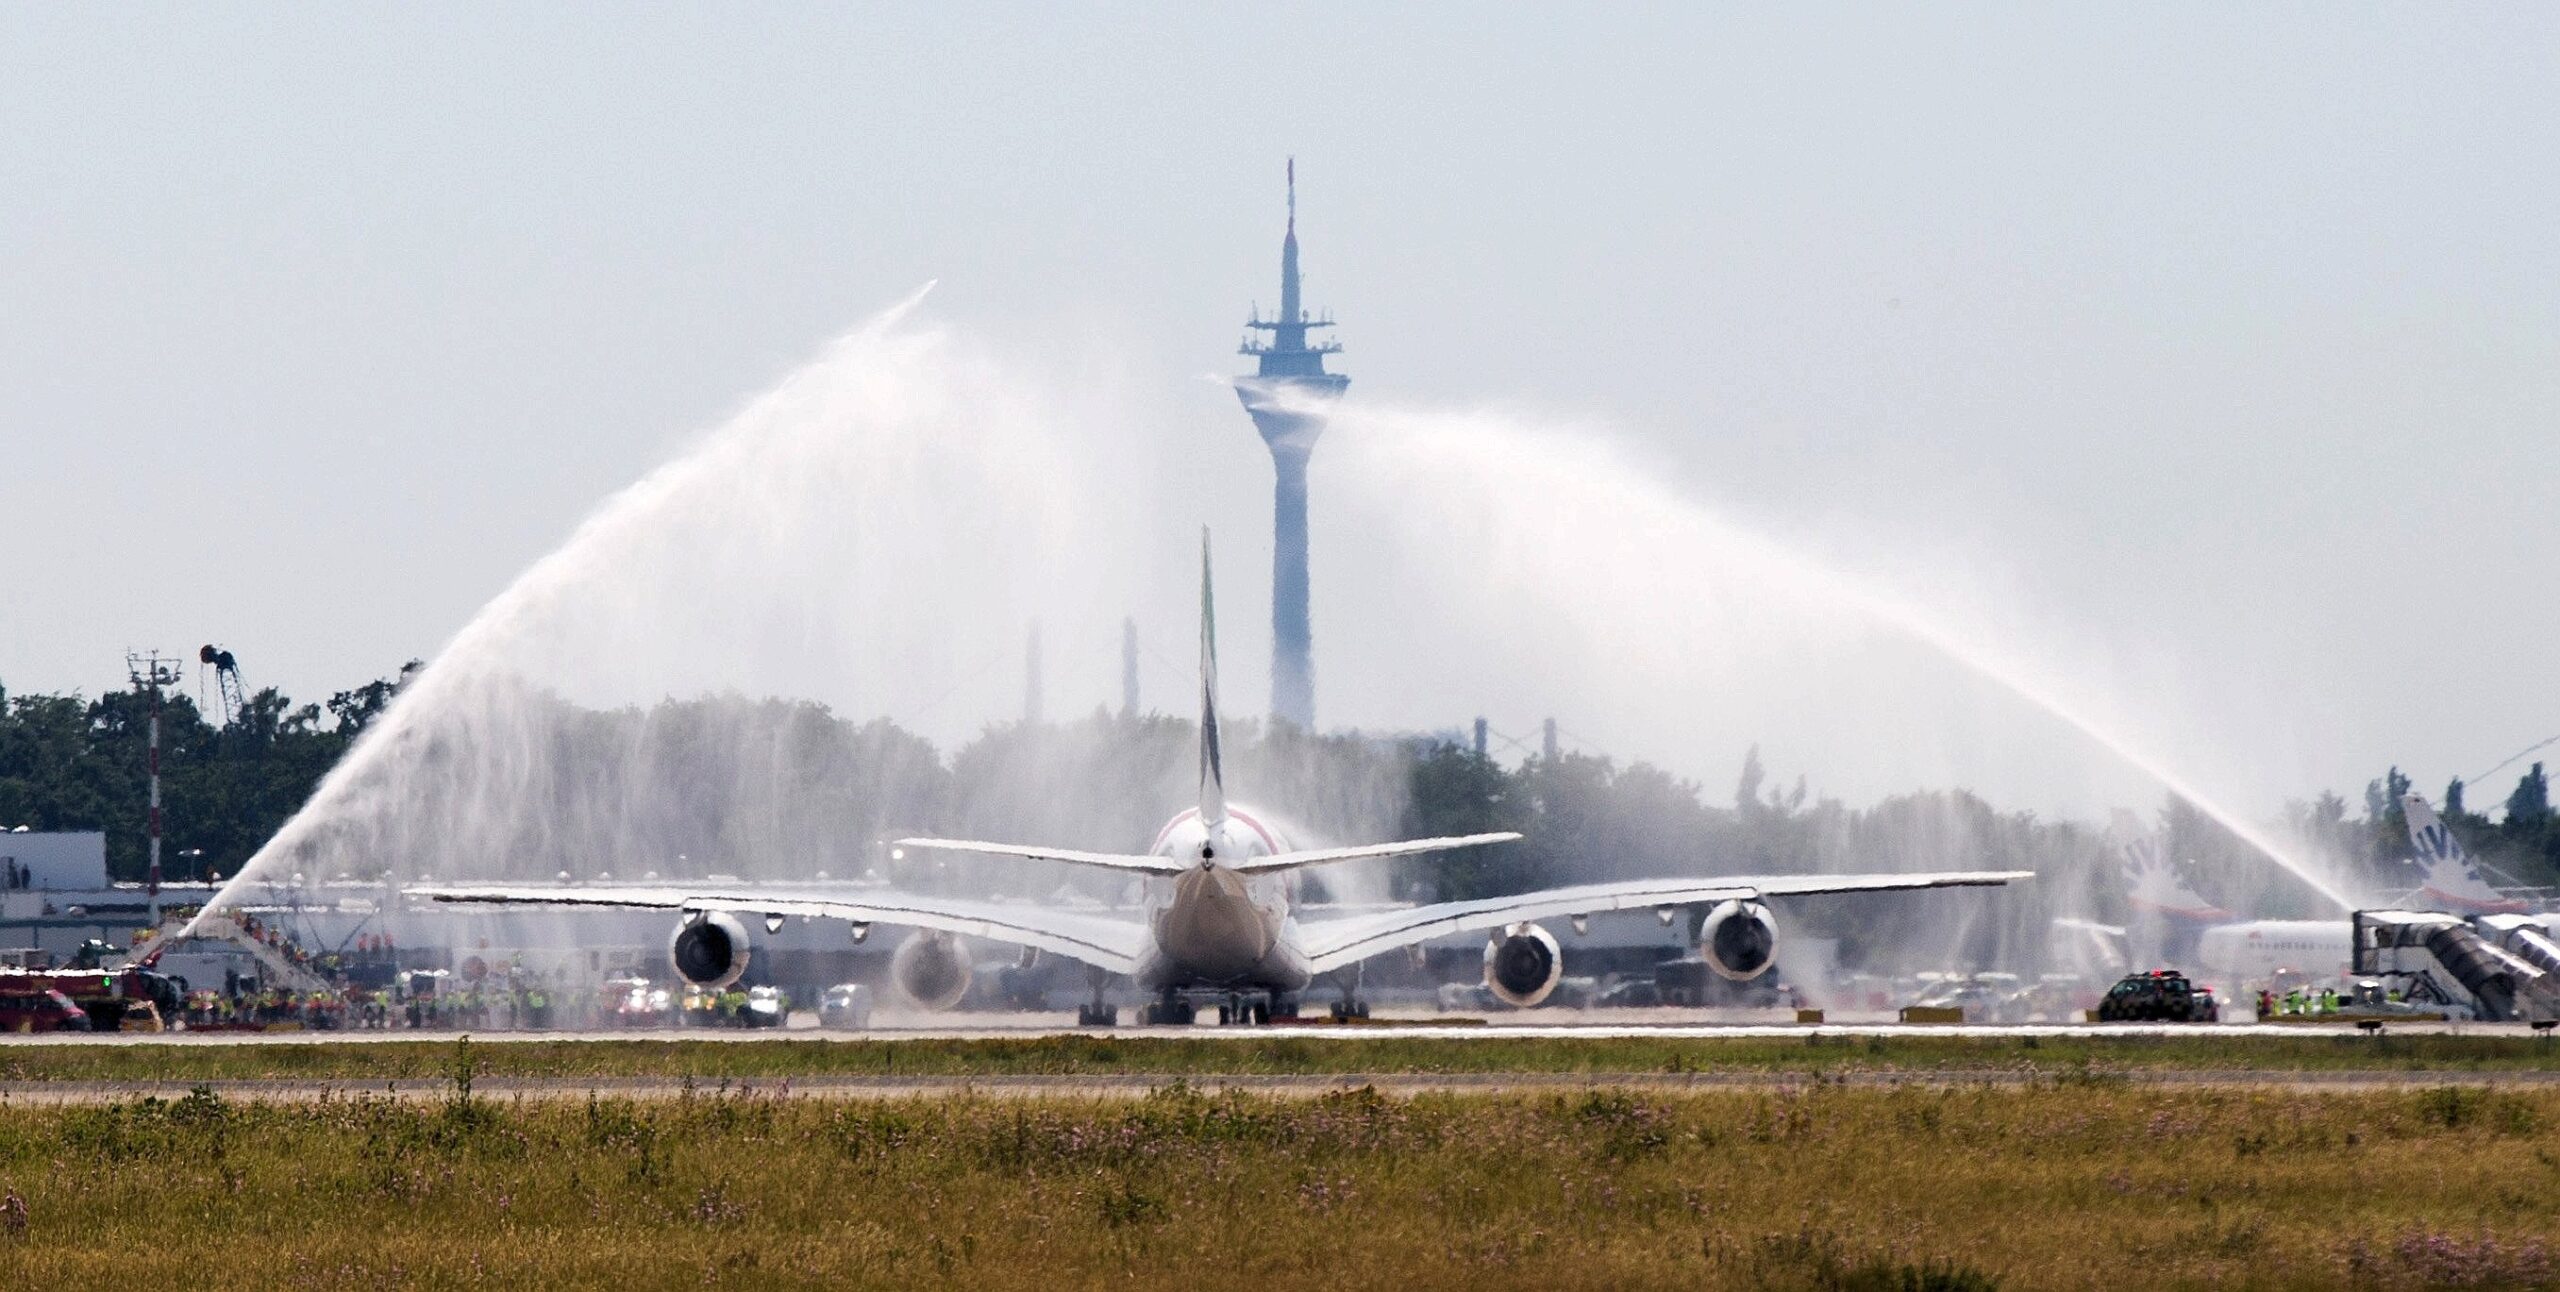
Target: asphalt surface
1447 1027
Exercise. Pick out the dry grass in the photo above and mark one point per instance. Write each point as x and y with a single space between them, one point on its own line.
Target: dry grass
1817 1186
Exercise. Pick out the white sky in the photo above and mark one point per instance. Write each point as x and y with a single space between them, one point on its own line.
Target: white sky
2227 341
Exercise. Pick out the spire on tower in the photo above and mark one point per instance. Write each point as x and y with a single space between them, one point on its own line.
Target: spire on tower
1289 353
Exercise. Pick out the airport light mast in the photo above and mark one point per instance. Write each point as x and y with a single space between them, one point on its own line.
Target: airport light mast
1289 396
154 672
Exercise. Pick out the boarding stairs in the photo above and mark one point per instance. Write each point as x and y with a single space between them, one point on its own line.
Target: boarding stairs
2503 984
276 969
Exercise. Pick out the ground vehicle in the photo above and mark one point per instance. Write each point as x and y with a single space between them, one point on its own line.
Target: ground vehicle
40 1010
734 1007
2160 996
2054 998
1982 1001
846 1005
765 1007
1691 983
104 995
636 1002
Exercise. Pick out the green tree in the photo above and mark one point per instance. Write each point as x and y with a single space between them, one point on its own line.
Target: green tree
2530 805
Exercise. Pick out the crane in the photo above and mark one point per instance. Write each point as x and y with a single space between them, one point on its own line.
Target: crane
226 673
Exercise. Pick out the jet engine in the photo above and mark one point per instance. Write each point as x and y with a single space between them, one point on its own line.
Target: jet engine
709 951
1523 964
931 969
1739 940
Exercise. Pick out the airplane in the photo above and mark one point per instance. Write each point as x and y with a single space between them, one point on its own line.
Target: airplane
2156 885
2166 905
2227 951
2449 881
2253 951
1218 924
2449 878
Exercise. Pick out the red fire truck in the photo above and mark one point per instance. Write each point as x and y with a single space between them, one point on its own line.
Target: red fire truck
109 999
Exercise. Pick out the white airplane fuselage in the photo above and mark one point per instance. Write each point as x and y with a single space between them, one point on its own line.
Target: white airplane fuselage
2254 951
1214 927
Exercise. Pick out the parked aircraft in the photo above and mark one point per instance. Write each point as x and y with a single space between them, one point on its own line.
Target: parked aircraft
2178 919
1219 922
2449 878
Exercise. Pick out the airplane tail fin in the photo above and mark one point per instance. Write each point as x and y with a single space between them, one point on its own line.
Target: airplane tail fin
1213 774
2427 833
2152 882
2445 869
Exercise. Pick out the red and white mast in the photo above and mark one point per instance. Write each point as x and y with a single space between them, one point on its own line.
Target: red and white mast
151 669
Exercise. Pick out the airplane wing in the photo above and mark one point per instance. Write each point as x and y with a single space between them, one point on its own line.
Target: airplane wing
1107 860
1111 944
1336 944
1400 848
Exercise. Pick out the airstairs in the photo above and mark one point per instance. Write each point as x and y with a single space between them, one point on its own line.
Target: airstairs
2516 980
276 969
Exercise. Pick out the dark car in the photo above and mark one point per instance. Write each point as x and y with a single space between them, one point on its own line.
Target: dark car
2160 996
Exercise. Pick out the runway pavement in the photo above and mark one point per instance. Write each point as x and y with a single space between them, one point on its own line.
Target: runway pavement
1586 1025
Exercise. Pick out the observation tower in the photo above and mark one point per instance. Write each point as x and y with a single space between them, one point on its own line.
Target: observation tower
1289 395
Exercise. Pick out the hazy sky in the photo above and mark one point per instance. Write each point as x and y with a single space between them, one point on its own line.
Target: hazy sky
2224 338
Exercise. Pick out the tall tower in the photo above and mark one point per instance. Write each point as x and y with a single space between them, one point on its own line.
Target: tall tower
1289 396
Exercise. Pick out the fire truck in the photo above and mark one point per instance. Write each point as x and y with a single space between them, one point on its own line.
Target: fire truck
29 1010
113 999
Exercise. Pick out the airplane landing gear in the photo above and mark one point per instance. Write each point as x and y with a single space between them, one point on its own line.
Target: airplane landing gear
1169 1010
1244 1008
1099 1012
1350 1006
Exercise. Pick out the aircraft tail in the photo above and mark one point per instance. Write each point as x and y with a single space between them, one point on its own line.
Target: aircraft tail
1213 773
2153 883
2446 873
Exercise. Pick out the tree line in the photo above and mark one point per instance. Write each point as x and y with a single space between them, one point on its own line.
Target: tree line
776 788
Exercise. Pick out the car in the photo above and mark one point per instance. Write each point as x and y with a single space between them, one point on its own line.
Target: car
765 1007
636 1002
1988 998
2160 996
846 1005
1466 998
2055 998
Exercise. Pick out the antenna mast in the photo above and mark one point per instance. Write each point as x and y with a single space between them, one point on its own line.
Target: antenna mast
153 671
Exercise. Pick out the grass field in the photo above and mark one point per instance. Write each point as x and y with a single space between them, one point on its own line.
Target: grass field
1820 1186
1277 1054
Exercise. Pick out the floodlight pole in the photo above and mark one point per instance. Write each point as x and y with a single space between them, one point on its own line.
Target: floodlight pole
153 670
